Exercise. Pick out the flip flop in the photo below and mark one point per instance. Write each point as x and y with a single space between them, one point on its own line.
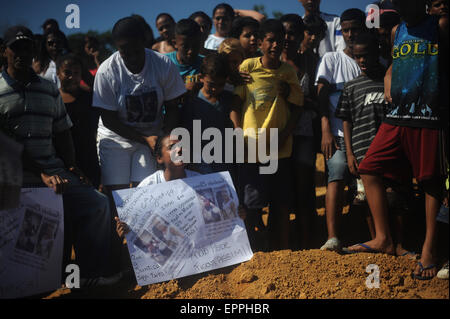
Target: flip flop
422 269
368 250
411 255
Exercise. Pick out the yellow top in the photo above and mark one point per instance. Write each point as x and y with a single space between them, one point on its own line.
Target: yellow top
263 107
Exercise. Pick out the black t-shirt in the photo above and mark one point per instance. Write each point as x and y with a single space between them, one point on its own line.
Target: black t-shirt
84 134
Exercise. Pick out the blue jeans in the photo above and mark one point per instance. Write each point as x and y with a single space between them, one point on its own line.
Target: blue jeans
87 216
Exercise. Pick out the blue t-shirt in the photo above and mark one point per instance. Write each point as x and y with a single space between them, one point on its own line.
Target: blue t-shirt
190 72
215 115
211 115
415 76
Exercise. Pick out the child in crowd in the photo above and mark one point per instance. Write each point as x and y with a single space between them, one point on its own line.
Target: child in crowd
165 150
166 28
361 108
260 104
335 69
51 48
245 29
388 20
333 40
212 106
303 152
315 30
91 60
149 38
234 52
438 7
408 140
205 24
78 104
223 16
186 57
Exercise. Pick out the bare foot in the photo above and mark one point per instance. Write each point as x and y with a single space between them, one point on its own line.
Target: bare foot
426 268
373 246
400 251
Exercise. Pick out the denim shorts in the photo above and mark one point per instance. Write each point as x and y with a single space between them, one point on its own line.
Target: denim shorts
337 164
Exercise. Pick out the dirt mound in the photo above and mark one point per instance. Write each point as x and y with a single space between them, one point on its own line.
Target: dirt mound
307 274
311 274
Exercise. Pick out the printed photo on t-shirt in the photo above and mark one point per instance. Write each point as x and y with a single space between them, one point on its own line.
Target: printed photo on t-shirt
142 108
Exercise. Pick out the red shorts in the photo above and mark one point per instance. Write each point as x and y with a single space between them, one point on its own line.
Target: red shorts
398 151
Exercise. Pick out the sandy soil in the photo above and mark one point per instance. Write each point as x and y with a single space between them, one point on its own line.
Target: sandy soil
306 274
310 274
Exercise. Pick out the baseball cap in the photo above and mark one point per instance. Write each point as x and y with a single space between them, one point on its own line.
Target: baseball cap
17 33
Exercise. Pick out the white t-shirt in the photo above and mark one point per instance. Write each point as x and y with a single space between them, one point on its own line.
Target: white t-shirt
138 98
333 41
158 177
213 42
337 68
50 74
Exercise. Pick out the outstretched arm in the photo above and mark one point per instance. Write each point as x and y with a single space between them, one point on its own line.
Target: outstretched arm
250 13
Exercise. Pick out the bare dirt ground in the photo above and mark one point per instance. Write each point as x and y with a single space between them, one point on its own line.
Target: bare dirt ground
305 274
310 274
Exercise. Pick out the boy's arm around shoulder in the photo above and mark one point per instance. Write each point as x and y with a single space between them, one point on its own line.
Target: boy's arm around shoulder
238 98
236 111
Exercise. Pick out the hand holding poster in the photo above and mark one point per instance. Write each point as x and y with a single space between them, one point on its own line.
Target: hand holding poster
183 227
31 244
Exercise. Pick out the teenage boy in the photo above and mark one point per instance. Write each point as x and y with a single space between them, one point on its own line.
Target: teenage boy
245 29
263 104
36 117
335 69
408 140
388 20
361 108
438 7
212 106
333 40
186 57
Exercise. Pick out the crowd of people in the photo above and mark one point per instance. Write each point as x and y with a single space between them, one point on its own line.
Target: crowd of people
373 101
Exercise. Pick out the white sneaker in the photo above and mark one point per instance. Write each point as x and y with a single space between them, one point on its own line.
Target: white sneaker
332 244
443 273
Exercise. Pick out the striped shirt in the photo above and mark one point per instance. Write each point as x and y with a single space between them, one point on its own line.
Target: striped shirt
362 104
32 114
